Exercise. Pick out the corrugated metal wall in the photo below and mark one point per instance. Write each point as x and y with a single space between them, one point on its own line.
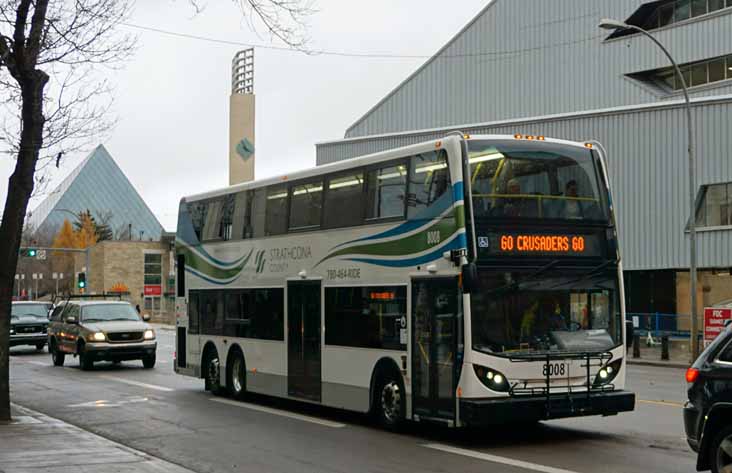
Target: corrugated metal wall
527 58
648 167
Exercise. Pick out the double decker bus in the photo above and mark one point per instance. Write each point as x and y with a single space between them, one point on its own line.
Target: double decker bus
468 280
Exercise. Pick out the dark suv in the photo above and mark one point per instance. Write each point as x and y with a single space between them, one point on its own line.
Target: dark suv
708 413
28 323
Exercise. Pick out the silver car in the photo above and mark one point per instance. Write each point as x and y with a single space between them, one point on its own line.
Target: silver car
100 330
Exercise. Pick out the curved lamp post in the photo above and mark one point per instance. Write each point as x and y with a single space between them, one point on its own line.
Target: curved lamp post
610 24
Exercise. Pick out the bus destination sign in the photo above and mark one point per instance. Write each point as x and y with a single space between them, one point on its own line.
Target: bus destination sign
538 244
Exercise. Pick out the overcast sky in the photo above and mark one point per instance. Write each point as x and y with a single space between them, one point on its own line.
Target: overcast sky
172 96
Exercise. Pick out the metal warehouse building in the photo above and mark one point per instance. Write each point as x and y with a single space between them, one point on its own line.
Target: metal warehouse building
544 67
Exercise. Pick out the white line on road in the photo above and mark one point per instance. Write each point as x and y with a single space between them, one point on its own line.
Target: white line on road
137 383
277 412
37 363
496 459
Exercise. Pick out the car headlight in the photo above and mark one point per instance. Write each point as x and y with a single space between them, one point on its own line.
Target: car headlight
12 331
97 337
492 379
149 335
608 373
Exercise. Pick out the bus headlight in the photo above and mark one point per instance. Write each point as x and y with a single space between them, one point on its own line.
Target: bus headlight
492 379
608 373
149 335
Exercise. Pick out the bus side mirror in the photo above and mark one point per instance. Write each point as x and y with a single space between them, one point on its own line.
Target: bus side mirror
470 278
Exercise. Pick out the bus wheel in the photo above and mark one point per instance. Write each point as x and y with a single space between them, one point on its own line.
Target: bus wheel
237 376
213 374
390 403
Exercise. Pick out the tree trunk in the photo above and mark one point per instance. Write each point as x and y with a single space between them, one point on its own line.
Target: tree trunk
20 187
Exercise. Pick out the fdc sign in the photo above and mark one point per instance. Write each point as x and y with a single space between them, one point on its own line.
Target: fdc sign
714 320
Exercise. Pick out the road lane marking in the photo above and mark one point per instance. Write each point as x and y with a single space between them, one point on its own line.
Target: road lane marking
277 412
662 403
496 459
105 403
137 383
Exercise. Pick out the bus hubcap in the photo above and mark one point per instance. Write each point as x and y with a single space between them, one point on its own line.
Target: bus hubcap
213 372
237 375
724 455
391 401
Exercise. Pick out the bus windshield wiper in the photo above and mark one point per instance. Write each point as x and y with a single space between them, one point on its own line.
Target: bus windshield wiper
528 278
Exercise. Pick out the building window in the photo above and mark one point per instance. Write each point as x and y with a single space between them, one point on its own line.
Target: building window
658 14
679 10
695 74
715 206
366 317
153 282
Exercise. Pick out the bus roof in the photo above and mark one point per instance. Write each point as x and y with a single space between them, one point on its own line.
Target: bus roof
350 163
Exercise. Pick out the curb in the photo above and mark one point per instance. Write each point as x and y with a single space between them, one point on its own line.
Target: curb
662 364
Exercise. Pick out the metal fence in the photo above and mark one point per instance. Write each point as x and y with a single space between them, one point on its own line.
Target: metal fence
657 324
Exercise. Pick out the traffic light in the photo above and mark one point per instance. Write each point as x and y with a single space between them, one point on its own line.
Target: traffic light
28 252
81 281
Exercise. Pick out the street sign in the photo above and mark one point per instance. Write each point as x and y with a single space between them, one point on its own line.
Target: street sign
153 289
714 319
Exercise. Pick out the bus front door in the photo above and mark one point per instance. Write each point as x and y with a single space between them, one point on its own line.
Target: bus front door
303 339
435 307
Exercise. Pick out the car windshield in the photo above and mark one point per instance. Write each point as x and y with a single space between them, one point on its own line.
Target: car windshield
534 180
108 312
541 311
30 310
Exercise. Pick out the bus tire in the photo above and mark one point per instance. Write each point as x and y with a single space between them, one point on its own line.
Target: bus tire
236 374
390 401
212 370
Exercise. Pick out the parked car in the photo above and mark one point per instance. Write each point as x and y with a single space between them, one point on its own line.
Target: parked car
708 412
28 323
100 330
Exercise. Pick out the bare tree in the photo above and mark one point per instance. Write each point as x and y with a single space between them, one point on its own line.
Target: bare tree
285 20
50 96
53 102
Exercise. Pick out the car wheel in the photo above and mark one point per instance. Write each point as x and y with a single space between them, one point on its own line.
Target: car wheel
237 377
149 362
721 451
40 346
390 403
57 356
86 362
213 375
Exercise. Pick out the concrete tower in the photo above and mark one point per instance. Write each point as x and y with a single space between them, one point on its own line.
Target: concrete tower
241 118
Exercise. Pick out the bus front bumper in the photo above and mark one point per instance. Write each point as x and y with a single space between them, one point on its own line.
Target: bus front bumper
488 411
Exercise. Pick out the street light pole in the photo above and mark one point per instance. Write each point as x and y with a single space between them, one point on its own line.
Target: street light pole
610 24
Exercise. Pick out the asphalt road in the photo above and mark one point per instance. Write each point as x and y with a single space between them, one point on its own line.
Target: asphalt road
172 417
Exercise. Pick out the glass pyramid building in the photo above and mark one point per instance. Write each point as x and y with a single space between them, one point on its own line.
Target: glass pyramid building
99 185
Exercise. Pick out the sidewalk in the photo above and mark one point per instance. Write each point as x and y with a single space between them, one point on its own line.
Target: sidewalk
679 356
36 443
166 327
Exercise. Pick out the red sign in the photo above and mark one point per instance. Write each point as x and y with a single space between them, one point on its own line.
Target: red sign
714 320
153 289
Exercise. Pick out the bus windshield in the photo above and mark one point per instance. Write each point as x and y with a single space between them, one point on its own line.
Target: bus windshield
534 180
529 312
